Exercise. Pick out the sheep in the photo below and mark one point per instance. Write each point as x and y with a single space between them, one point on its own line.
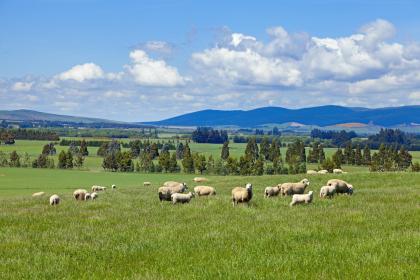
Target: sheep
200 179
113 187
54 199
166 192
94 196
323 171
88 196
181 197
311 172
272 191
242 195
294 188
327 191
173 184
337 171
341 186
79 194
204 190
302 198
98 188
38 194
145 184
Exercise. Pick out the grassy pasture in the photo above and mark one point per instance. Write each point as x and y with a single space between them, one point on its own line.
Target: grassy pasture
129 234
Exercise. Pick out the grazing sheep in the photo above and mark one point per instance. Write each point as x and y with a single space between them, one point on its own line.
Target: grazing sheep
38 194
204 190
98 188
181 197
242 195
294 188
88 196
94 195
341 186
200 179
272 191
327 191
54 199
113 187
337 171
302 198
166 192
323 171
79 194
311 172
147 184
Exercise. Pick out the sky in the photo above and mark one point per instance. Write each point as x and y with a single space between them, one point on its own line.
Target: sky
150 60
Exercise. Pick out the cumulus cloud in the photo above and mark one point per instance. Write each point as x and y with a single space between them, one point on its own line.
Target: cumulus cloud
150 72
22 86
82 72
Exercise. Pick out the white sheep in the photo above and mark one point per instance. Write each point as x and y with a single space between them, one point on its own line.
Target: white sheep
38 194
341 186
323 171
98 188
113 187
145 184
302 198
327 191
204 190
79 194
272 191
94 195
200 179
181 197
54 199
337 171
294 188
242 195
88 196
165 192
311 172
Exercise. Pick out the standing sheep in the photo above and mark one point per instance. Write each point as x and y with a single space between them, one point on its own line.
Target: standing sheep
242 195
88 196
98 188
54 199
79 194
294 188
272 191
181 197
341 186
94 195
166 192
204 190
327 191
38 194
113 187
302 198
200 179
311 172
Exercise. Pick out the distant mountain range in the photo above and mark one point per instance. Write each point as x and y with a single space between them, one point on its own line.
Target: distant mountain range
319 116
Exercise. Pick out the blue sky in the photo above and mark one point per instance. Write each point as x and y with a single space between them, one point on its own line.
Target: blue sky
147 60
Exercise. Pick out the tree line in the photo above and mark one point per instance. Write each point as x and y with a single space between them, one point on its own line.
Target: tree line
209 135
27 134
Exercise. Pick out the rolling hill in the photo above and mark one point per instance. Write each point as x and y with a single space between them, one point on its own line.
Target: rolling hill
320 116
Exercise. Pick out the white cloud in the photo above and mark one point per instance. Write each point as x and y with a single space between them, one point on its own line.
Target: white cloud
149 72
82 72
158 46
116 94
22 86
238 38
415 95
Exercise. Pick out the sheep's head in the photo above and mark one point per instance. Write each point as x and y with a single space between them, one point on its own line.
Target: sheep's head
248 186
310 193
184 186
113 186
305 182
350 189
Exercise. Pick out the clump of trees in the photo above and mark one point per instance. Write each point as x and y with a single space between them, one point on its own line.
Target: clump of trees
395 138
29 134
209 135
338 138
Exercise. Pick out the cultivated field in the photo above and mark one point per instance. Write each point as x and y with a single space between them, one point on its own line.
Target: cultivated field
129 234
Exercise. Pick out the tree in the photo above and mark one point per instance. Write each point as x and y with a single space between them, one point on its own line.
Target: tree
154 152
110 162
164 161
188 162
274 152
78 162
14 160
26 160
40 162
258 168
358 158
251 150
83 148
349 154
265 148
366 155
124 161
328 164
73 149
180 151
3 159
225 151
210 165
404 159
415 167
49 149
244 166
146 163
69 159
200 163
62 160
232 166
219 167
337 158
173 164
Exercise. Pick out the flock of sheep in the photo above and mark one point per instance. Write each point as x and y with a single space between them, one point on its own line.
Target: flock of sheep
175 192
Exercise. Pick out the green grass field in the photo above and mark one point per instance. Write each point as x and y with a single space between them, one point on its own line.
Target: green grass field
129 234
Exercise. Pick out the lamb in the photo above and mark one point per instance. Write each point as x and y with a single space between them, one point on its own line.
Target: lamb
181 197
302 198
341 186
272 191
98 188
204 190
294 188
323 171
242 195
79 194
166 192
311 172
38 194
88 196
327 191
200 179
113 187
145 184
337 171
94 196
54 199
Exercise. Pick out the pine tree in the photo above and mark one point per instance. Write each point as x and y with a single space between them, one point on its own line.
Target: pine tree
210 165
225 151
258 168
244 166
265 148
62 160
329 165
124 161
73 149
337 158
154 152
79 160
200 163
251 150
358 158
366 155
173 164
274 151
180 151
14 160
404 159
188 162
110 162
349 154
83 148
232 166
164 161
69 160
26 160
415 167
321 154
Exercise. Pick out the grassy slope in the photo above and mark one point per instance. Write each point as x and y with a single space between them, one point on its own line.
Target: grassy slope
128 234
